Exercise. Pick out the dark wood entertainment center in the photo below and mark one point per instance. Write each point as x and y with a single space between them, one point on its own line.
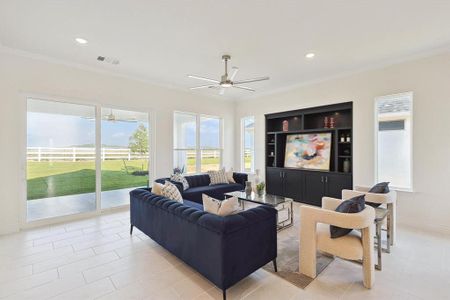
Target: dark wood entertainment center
309 186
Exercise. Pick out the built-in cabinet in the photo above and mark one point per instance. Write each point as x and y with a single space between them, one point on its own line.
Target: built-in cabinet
309 186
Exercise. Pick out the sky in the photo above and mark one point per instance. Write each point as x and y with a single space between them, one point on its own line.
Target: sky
53 130
56 130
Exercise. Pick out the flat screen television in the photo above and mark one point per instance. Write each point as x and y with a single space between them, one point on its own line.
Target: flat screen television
308 151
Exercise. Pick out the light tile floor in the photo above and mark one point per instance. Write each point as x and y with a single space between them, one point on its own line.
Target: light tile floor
98 259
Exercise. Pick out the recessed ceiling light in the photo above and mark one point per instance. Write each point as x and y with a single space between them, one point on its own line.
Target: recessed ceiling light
310 55
81 41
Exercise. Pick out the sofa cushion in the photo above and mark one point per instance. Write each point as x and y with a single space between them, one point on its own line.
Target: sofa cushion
198 180
215 191
193 204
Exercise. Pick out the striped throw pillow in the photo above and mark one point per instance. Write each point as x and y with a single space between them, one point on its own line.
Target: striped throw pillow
218 177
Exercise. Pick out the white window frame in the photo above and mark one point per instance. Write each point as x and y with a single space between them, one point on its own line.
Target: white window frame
24 223
242 154
376 173
198 149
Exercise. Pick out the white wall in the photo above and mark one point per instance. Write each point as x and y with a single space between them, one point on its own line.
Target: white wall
429 79
20 75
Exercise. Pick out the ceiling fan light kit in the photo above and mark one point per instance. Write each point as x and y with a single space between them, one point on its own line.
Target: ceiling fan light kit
225 81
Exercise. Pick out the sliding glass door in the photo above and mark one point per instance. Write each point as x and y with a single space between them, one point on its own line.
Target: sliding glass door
64 147
60 159
124 154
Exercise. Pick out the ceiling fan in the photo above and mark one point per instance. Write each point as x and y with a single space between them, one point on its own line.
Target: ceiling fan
225 81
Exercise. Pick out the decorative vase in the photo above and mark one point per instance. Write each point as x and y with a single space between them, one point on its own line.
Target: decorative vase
248 187
346 166
285 125
325 122
260 192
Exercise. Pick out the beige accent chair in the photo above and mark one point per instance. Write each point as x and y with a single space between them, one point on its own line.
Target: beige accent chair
315 236
389 200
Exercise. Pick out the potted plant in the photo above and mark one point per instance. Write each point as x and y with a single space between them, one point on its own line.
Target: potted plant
260 188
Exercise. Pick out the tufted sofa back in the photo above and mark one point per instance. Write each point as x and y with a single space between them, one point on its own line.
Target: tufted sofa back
198 180
217 224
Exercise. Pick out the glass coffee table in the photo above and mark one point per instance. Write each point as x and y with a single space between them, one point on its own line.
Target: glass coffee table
284 206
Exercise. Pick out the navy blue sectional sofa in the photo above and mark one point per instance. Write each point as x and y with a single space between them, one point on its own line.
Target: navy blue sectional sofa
222 249
199 184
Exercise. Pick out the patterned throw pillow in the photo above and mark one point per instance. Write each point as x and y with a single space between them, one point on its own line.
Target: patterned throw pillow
169 190
221 208
180 178
217 177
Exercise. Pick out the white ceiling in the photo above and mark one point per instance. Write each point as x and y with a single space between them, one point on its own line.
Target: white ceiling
163 41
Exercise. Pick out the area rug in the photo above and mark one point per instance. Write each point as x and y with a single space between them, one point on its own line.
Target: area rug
287 262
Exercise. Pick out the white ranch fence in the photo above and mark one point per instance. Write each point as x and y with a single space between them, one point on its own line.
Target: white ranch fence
79 153
83 153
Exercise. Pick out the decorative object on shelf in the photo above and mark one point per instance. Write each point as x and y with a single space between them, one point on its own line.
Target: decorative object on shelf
348 139
331 125
285 125
260 188
346 165
271 153
248 187
308 151
325 122
342 140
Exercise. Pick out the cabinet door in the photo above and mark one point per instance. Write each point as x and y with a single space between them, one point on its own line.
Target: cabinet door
293 181
335 183
274 181
314 188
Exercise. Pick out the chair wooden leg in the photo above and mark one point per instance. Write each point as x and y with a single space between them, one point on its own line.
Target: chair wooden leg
131 229
275 265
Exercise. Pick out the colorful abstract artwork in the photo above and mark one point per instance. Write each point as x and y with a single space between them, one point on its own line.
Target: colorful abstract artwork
308 151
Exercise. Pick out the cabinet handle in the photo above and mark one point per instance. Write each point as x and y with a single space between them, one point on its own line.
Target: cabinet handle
281 174
321 179
326 179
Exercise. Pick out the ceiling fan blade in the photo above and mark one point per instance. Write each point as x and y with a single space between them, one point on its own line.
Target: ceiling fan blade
203 78
243 88
203 86
233 75
221 91
251 80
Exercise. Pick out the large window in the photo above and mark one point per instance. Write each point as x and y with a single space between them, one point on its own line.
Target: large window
69 165
248 144
197 142
394 140
124 154
61 170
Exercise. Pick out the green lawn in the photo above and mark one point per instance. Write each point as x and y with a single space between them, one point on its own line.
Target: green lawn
52 179
61 178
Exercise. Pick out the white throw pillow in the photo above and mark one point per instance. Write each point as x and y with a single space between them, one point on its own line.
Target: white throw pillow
229 175
157 188
221 208
180 178
169 190
217 177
